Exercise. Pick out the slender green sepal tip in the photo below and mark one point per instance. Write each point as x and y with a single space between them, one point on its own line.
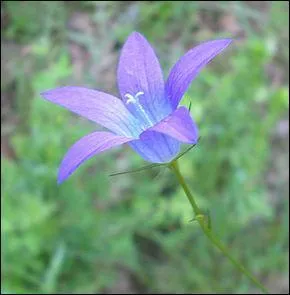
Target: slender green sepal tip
153 165
137 170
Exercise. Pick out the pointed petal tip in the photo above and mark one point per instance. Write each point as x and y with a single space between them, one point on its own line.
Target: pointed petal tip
228 41
85 148
224 42
136 37
135 34
47 93
219 43
99 107
60 88
44 93
189 66
59 181
62 176
139 70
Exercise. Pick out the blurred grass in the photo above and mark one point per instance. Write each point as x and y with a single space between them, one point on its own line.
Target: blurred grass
131 233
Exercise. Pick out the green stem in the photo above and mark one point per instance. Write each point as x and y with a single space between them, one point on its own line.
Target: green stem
206 228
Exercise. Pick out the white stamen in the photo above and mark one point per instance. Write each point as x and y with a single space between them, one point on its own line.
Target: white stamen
139 93
131 98
134 100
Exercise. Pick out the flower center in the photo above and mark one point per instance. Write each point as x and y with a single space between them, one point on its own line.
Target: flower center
133 100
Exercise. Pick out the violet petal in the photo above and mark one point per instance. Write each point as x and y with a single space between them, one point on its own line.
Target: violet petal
188 66
156 147
140 81
178 125
97 106
88 146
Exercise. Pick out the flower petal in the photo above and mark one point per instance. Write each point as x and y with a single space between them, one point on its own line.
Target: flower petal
139 72
85 148
97 106
156 147
178 125
188 66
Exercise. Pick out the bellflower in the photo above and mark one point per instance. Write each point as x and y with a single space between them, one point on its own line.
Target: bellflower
147 116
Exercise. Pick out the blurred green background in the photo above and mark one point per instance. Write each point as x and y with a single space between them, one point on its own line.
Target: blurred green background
131 233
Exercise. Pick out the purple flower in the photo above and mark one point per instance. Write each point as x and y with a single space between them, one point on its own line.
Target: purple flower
147 117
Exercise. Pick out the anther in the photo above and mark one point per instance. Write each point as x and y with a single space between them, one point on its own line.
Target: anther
131 98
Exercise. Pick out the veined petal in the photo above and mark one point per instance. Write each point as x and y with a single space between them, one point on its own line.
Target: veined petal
178 125
156 147
100 107
87 147
140 81
188 66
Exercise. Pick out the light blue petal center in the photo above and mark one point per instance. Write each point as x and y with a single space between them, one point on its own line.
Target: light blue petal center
156 147
147 115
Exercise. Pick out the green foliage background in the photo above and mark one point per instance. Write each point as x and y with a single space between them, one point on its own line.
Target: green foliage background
132 233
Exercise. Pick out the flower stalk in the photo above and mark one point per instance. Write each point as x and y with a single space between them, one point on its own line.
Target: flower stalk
204 223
